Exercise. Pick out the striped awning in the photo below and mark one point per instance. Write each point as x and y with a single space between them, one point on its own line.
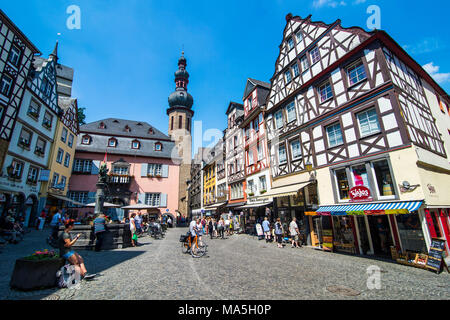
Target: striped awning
400 207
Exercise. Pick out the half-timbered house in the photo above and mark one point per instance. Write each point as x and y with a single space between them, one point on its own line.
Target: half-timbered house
351 127
234 159
16 55
258 179
28 153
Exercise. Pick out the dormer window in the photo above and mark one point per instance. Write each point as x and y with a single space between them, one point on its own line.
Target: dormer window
112 142
127 128
158 146
86 139
150 131
139 124
102 125
135 144
116 121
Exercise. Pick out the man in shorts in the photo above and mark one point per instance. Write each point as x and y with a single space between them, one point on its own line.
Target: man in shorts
266 229
293 229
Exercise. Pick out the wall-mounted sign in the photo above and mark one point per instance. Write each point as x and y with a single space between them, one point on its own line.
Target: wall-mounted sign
360 193
44 175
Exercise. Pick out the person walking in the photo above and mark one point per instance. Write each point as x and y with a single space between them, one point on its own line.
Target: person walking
293 230
55 223
221 226
266 229
99 230
133 230
279 233
210 228
227 226
65 250
215 228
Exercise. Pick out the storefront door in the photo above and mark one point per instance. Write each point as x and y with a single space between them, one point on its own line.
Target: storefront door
381 234
363 235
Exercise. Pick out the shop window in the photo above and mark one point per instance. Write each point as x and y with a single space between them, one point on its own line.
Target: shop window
360 176
383 177
342 184
343 234
410 232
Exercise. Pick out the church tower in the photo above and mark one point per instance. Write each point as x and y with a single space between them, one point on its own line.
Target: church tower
180 125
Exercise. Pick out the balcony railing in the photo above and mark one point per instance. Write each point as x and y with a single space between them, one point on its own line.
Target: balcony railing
119 178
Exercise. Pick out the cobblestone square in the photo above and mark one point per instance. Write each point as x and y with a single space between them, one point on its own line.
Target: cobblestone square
240 267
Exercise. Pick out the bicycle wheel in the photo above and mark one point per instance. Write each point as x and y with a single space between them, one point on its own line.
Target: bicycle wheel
184 247
197 252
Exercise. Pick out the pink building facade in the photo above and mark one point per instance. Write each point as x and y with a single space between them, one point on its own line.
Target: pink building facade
141 168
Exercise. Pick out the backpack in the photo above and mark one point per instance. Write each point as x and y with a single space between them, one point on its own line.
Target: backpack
67 276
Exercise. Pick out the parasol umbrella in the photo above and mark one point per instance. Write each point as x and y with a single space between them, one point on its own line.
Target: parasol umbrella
105 205
138 206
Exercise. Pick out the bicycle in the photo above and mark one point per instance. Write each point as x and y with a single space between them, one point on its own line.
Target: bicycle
188 245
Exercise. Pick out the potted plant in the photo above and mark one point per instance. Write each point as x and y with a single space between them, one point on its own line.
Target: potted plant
36 271
263 191
251 194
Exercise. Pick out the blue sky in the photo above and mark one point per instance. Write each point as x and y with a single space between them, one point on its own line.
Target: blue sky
126 52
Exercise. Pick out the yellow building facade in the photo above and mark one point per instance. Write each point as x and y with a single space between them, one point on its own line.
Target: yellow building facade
53 193
209 184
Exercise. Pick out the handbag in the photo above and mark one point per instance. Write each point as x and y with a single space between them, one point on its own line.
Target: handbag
135 237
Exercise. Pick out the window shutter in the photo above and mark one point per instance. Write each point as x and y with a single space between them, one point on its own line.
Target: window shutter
95 166
144 169
165 170
141 198
163 203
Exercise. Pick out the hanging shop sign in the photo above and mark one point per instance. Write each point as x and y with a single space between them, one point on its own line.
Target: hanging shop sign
435 254
44 175
360 193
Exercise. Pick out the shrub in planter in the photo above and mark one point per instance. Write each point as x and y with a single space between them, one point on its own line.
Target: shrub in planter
37 271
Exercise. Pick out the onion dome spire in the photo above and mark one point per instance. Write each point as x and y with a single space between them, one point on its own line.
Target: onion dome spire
180 97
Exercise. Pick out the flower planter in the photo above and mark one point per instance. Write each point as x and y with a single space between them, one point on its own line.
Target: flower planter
35 274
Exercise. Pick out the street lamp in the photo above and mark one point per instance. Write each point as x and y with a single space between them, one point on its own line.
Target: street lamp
309 169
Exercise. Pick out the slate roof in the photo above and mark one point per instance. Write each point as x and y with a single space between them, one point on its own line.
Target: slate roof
116 127
138 132
236 105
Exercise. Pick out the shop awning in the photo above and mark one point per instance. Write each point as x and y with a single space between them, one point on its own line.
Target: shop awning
66 199
215 206
237 204
284 191
256 205
399 207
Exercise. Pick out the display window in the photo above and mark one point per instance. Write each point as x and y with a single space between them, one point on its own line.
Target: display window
410 233
342 183
343 234
383 176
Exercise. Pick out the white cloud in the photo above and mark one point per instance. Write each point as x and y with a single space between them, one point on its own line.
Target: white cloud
328 3
434 72
426 45
334 3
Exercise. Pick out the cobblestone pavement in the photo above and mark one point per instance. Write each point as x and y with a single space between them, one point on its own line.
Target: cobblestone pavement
240 267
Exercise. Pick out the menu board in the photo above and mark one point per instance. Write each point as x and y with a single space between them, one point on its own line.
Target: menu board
327 237
435 254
